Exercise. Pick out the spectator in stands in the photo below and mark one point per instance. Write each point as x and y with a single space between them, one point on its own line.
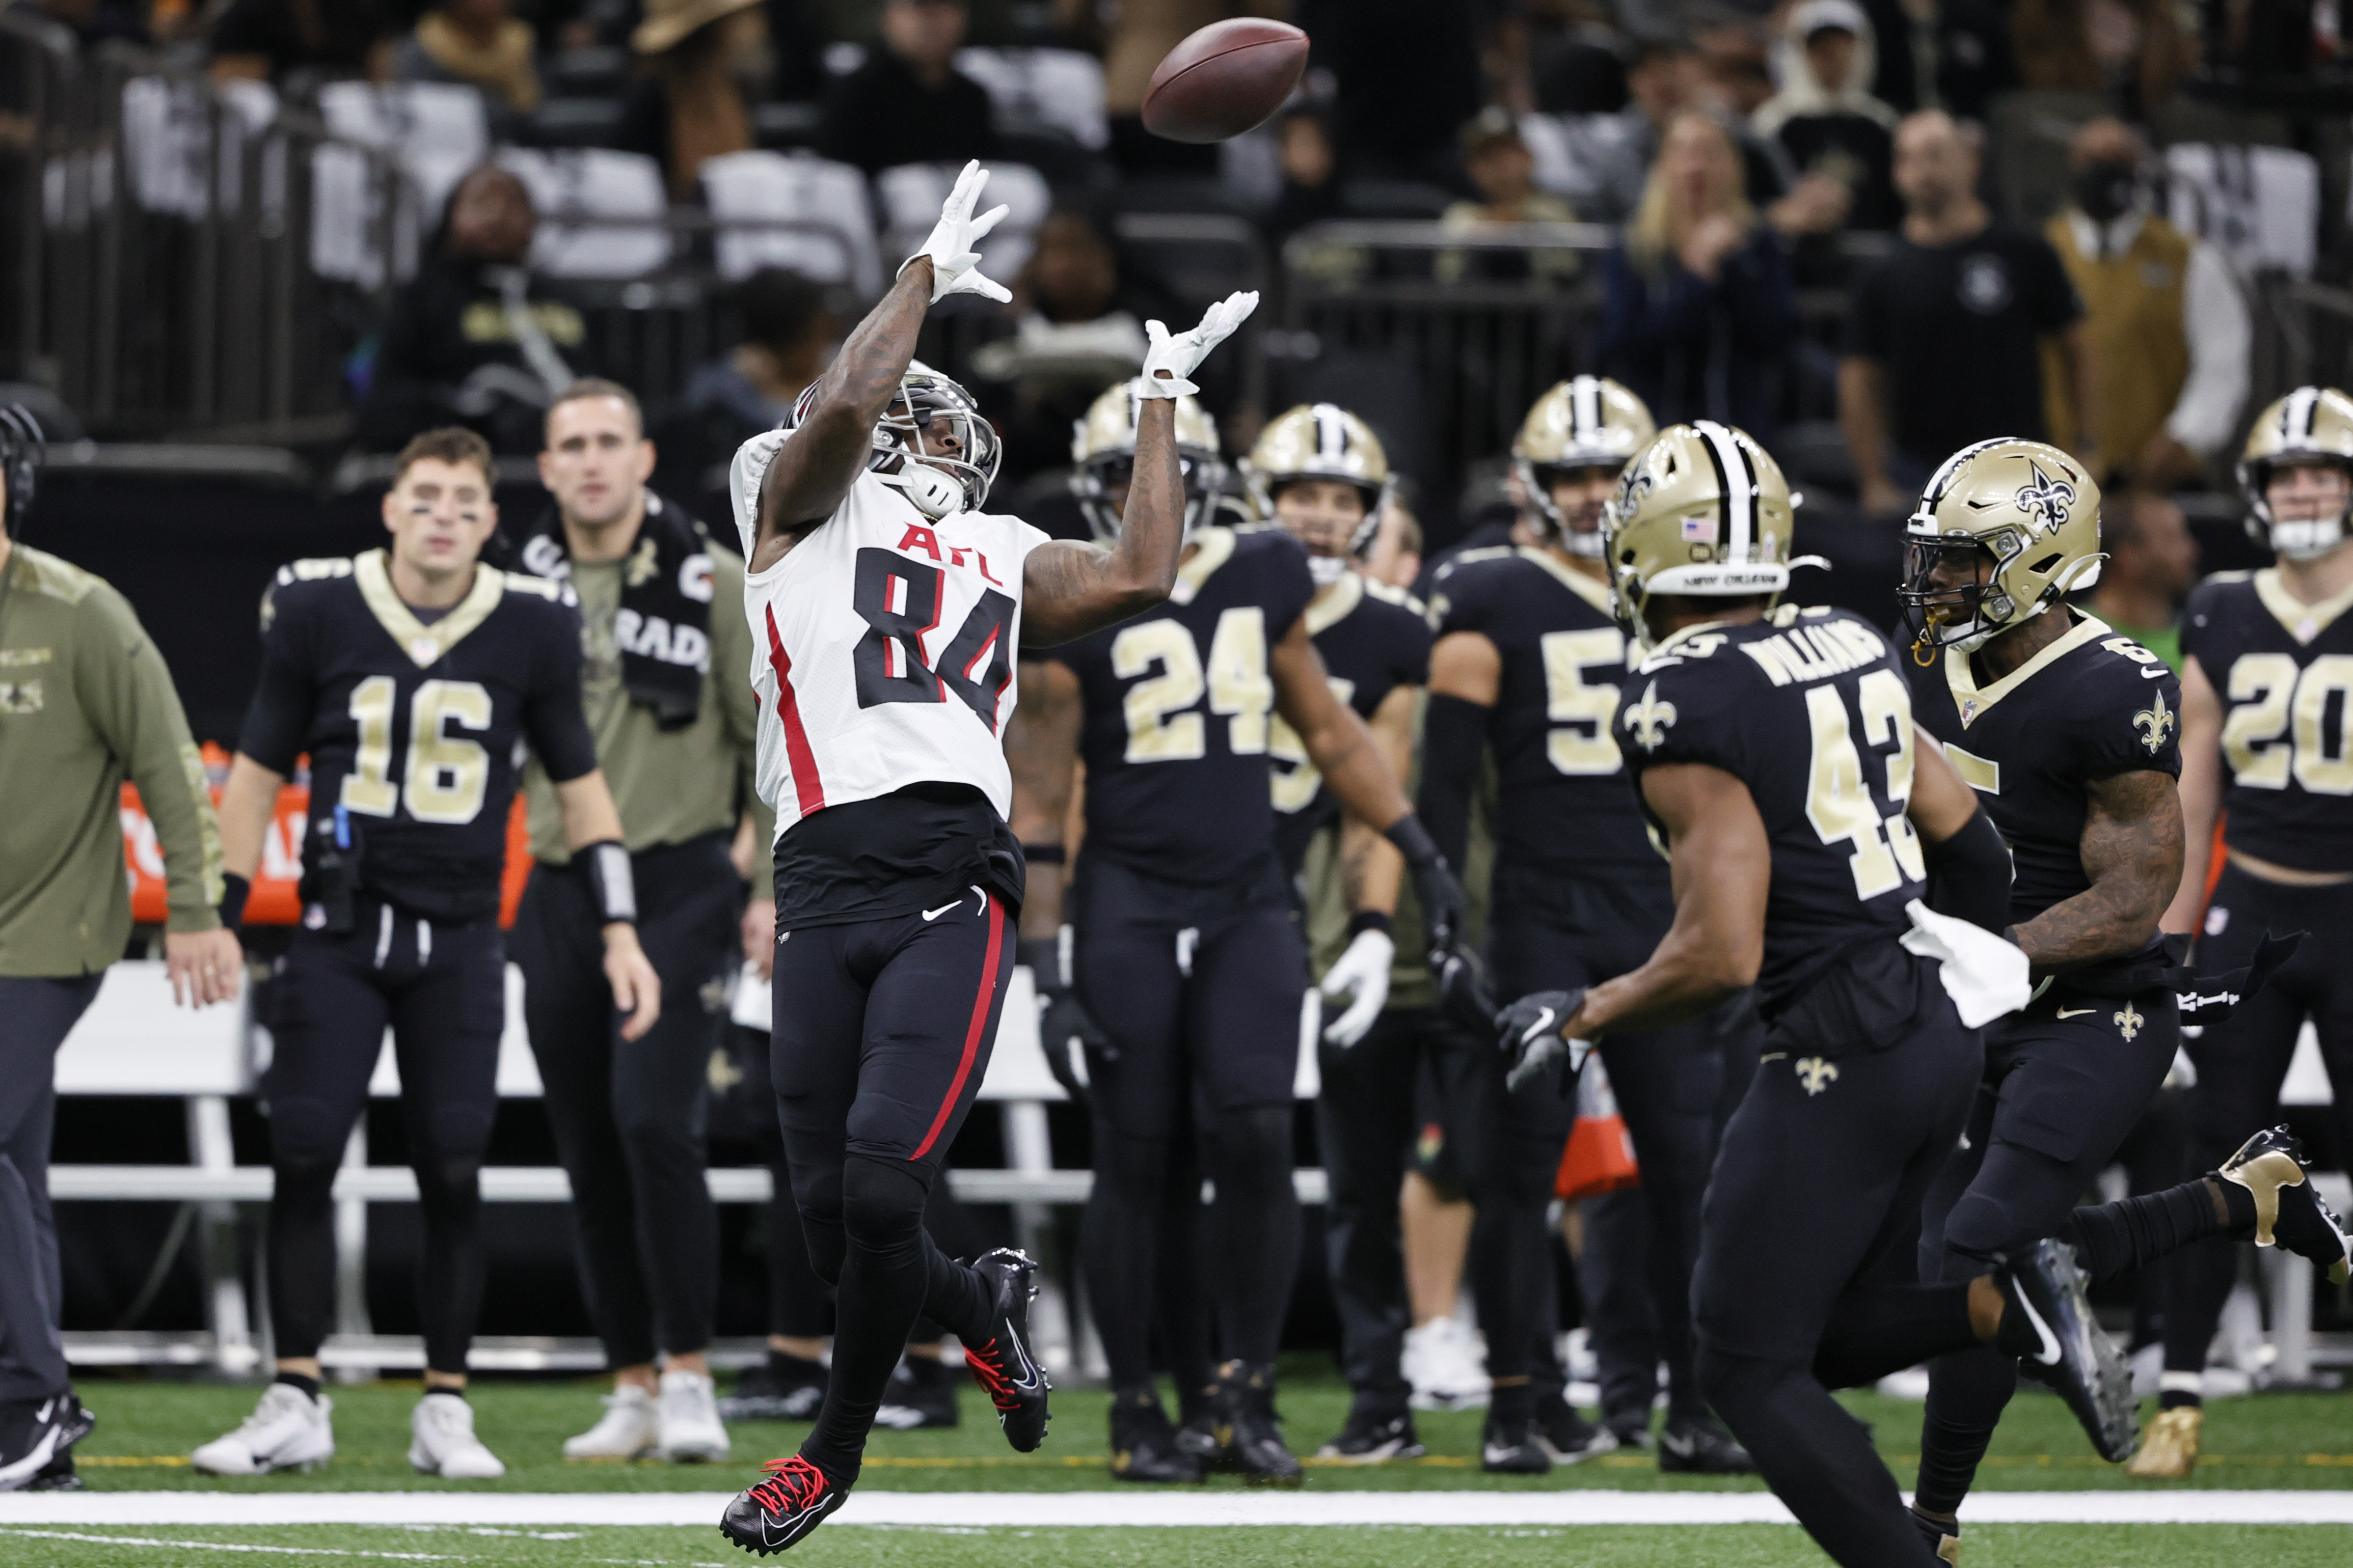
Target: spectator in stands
1733 56
481 43
1825 122
264 40
2164 316
704 60
1311 175
473 339
1945 334
1697 311
2131 52
1503 172
2152 565
86 703
1952 55
1141 33
788 337
908 103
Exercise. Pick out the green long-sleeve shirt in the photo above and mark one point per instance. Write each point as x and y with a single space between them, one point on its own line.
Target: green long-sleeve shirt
669 785
85 700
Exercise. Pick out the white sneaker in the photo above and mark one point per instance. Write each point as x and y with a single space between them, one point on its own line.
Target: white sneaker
1442 1361
625 1431
688 1420
442 1441
287 1431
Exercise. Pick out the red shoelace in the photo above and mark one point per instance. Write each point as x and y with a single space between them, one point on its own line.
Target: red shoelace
792 1485
990 1376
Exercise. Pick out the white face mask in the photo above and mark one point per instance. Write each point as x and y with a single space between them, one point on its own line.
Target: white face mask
2307 540
1327 569
934 493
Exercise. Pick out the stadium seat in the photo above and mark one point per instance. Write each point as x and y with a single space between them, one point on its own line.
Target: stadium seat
909 196
577 122
1056 90
167 138
2260 206
794 210
583 184
436 129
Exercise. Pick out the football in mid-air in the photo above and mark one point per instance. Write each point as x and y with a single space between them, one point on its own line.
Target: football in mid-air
1227 78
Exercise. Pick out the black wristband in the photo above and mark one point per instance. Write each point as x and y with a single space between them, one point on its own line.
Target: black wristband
234 890
1413 840
1043 855
612 884
1367 920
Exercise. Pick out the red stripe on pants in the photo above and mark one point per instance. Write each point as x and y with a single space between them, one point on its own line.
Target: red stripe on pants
972 1033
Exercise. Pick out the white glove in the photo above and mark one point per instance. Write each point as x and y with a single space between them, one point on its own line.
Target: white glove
1179 356
956 265
1361 974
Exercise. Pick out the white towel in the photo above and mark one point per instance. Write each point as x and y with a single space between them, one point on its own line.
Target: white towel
1983 975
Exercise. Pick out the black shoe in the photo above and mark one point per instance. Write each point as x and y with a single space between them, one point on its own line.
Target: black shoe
57 1476
919 1397
1511 1448
1697 1446
1374 1436
1251 1432
1631 1428
776 1513
1568 1437
1144 1446
2272 1166
1206 1440
2059 1343
784 1388
34 1433
1001 1363
1944 1540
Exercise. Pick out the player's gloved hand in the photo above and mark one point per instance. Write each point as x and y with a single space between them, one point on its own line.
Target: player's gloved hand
1066 1030
1529 1033
1442 900
956 265
1169 361
1361 974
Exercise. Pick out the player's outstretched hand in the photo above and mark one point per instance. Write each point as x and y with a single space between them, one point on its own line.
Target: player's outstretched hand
1529 1033
955 264
1361 974
1170 362
636 989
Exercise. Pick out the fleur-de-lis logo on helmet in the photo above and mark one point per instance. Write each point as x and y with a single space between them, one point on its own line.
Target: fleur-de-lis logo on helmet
2046 498
2155 722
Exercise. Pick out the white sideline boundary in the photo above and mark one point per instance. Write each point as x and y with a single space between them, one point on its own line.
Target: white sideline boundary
1157 1509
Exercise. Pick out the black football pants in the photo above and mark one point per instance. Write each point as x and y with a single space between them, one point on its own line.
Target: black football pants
881 1035
2243 1060
442 989
36 1016
628 1115
2064 1082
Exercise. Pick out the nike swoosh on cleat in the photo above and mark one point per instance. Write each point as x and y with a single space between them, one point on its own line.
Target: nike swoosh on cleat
2048 1354
935 914
2073 1012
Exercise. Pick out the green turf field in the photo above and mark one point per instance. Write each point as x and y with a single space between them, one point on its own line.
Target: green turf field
146 1426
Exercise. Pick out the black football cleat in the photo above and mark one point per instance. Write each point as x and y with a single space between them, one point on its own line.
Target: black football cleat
1631 1428
1001 1363
1144 1446
1374 1436
37 1433
919 1397
775 1514
1511 1448
1944 1540
784 1388
2048 1325
1566 1436
1208 1440
1699 1445
1250 1431
2288 1213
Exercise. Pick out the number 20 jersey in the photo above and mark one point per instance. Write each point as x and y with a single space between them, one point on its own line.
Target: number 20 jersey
1809 709
1178 707
2283 670
882 649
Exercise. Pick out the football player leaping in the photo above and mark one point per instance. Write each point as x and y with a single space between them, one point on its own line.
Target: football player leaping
886 608
1182 953
1774 754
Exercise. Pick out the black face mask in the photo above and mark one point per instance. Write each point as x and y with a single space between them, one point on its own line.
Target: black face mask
2104 191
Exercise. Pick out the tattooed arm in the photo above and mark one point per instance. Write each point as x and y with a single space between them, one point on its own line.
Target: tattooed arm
1370 866
1041 747
1070 588
2131 850
1336 740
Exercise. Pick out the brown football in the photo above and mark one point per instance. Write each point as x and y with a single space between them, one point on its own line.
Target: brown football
1225 80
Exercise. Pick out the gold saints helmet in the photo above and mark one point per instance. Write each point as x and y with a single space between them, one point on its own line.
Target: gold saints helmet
1587 422
1321 441
1103 459
2005 529
1702 510
2311 425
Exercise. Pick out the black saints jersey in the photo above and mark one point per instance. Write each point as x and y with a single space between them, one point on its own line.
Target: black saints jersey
1179 723
1373 639
2283 670
1563 810
1808 710
2089 706
415 727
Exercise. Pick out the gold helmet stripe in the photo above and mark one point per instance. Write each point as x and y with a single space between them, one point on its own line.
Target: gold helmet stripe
2295 415
1736 481
1584 405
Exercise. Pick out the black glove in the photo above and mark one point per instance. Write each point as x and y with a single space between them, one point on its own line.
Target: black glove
1529 1034
235 890
2213 998
1434 885
1464 993
1065 1028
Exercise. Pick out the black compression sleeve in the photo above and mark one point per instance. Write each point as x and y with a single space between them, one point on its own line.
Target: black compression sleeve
1969 874
1453 736
278 721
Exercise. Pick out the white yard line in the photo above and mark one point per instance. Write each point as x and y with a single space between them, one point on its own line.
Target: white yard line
1051 1510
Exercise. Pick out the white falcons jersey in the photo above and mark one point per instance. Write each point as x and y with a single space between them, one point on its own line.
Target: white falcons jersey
883 647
